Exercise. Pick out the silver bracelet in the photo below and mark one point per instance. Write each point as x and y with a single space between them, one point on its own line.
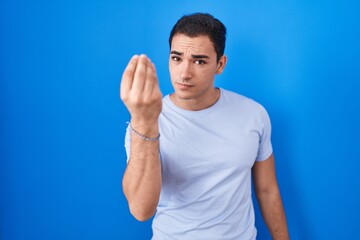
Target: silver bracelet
143 136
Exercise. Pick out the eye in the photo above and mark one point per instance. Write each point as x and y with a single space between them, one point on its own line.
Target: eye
200 62
176 58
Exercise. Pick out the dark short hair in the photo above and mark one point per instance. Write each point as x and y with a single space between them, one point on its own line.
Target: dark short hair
202 24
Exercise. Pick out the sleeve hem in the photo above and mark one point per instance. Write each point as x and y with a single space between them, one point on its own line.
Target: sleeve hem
264 157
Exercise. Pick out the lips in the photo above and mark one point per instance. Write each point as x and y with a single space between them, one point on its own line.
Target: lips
183 86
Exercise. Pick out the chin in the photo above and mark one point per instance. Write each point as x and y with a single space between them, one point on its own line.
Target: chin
183 96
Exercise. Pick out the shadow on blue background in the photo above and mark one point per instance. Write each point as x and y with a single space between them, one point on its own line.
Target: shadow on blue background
62 124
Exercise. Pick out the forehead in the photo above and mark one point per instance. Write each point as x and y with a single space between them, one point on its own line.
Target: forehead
199 44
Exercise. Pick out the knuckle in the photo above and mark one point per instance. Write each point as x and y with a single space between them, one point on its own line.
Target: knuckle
136 99
126 74
124 97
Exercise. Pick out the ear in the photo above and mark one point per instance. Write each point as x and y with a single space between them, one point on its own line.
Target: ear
221 64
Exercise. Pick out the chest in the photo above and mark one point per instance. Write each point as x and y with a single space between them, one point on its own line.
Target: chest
195 148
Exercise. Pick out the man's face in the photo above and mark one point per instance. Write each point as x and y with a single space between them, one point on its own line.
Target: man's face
193 66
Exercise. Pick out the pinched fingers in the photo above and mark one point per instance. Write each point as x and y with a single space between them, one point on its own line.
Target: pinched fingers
128 76
140 75
140 90
151 88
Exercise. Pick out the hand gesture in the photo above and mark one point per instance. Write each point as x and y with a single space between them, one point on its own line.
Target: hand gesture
140 91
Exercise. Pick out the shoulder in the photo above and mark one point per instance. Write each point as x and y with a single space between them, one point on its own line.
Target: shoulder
242 102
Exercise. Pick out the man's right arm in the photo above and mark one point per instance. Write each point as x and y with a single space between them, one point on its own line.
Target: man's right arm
141 95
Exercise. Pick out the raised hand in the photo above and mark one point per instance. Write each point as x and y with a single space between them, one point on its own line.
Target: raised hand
140 93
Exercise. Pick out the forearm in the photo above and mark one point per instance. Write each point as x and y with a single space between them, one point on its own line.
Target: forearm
141 95
273 213
142 178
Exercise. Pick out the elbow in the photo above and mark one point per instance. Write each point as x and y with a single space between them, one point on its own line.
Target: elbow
140 214
141 217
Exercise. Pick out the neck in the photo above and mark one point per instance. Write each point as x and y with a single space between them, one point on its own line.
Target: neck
196 104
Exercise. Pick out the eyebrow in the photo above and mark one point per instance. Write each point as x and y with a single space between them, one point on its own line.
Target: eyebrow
196 56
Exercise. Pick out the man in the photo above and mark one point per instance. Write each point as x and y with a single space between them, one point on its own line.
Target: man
191 155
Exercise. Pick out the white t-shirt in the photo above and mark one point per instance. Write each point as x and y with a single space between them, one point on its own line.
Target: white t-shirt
206 159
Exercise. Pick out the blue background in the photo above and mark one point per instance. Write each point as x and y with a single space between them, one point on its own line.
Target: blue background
62 123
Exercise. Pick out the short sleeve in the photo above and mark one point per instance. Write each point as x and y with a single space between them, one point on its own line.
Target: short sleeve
265 147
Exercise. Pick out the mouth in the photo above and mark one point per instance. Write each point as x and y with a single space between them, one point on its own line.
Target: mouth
183 86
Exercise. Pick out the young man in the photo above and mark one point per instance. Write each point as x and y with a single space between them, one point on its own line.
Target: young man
191 154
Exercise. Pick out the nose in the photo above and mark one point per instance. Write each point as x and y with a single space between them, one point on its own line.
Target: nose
186 72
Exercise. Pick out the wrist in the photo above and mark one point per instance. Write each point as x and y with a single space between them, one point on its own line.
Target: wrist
150 129
142 136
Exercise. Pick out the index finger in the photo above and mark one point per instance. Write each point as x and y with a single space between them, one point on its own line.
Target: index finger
128 75
151 79
140 73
